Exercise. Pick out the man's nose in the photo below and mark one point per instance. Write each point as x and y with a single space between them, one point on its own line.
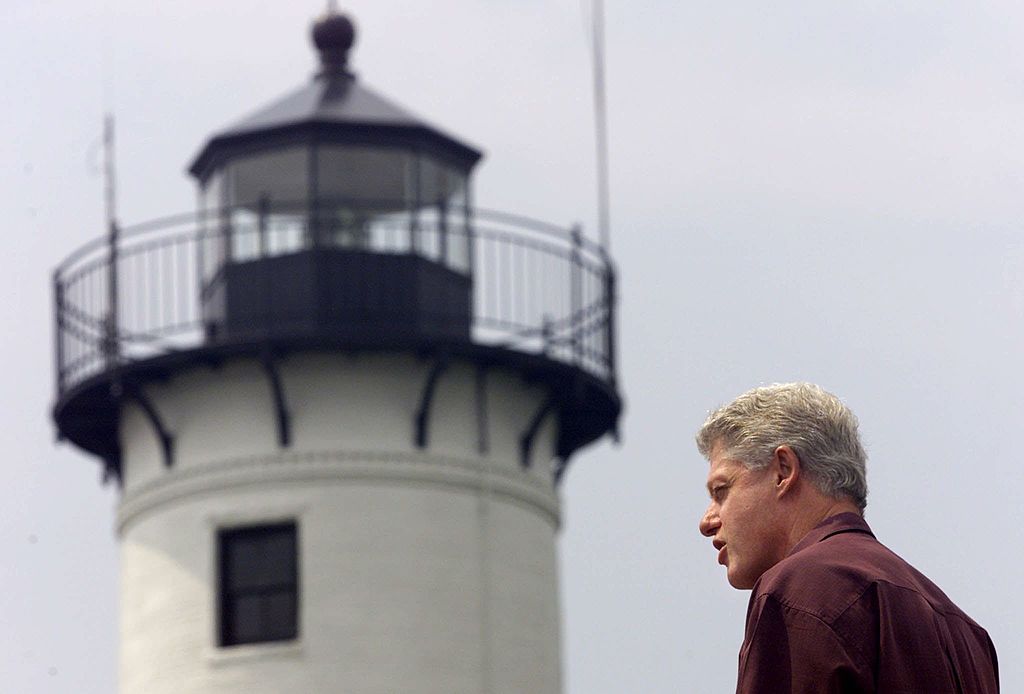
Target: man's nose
710 523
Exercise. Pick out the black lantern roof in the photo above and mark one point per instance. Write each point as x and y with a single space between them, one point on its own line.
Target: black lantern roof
333 107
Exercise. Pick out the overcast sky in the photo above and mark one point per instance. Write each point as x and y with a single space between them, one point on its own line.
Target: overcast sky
813 190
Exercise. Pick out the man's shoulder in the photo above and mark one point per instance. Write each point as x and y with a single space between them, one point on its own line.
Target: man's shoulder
826 578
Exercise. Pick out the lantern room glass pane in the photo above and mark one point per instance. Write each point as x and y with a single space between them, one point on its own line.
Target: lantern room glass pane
213 246
364 196
268 196
280 176
370 198
443 198
360 175
457 222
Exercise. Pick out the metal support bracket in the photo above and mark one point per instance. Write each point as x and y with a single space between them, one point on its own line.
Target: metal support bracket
112 469
426 399
284 419
145 404
560 468
526 440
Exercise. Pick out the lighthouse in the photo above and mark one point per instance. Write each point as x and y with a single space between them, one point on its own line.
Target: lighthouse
338 400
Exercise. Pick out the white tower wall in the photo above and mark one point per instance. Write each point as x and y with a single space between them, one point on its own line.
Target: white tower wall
420 570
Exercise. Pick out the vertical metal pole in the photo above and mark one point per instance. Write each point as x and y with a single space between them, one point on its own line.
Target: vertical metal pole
575 295
601 126
112 347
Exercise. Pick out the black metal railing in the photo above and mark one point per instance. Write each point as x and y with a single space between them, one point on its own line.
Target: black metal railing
140 293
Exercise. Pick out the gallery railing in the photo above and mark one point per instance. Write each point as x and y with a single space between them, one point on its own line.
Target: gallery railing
139 293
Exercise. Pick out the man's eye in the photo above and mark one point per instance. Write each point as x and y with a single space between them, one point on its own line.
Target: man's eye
718 493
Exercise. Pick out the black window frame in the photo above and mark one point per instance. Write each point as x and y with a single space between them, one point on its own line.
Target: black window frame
230 593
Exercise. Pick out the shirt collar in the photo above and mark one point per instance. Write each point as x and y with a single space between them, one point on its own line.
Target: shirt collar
833 525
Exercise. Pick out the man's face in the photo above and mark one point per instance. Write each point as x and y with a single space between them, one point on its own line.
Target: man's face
742 519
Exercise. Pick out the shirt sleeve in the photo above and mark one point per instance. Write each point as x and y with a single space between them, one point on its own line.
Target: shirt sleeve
789 650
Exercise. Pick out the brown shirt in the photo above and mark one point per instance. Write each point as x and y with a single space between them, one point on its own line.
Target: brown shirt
842 613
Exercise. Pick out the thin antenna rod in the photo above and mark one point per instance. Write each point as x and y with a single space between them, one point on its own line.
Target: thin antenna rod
112 346
601 127
109 180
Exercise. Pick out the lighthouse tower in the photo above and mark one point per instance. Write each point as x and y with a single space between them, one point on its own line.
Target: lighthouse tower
338 401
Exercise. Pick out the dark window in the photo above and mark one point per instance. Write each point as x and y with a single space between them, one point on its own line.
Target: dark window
259 587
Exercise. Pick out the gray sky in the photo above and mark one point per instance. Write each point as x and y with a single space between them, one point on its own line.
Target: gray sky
812 190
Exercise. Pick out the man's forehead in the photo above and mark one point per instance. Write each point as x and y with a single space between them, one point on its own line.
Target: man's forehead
720 457
723 467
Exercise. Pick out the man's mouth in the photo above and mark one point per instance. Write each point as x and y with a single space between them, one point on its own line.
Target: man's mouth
720 546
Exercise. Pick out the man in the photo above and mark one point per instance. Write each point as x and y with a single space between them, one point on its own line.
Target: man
831 608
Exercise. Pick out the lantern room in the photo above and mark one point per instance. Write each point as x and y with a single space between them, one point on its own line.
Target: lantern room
332 211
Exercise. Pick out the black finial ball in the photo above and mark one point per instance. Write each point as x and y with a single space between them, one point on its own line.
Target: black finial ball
333 36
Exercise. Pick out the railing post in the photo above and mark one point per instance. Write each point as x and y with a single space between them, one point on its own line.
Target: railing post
313 211
545 334
417 202
58 297
261 225
203 228
316 223
576 295
470 237
442 213
610 299
111 346
225 234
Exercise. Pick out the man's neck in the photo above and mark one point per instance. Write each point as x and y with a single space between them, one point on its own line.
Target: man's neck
814 514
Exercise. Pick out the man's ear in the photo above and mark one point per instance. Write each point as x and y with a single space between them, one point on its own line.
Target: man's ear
786 468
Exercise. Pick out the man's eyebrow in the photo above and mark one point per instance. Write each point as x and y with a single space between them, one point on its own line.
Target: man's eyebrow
715 481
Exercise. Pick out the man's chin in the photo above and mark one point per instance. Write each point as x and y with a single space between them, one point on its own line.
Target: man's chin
740 581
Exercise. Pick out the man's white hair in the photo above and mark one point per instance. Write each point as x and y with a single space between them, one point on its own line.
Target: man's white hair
813 422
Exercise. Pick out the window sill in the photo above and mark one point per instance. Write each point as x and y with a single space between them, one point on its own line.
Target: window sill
245 653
